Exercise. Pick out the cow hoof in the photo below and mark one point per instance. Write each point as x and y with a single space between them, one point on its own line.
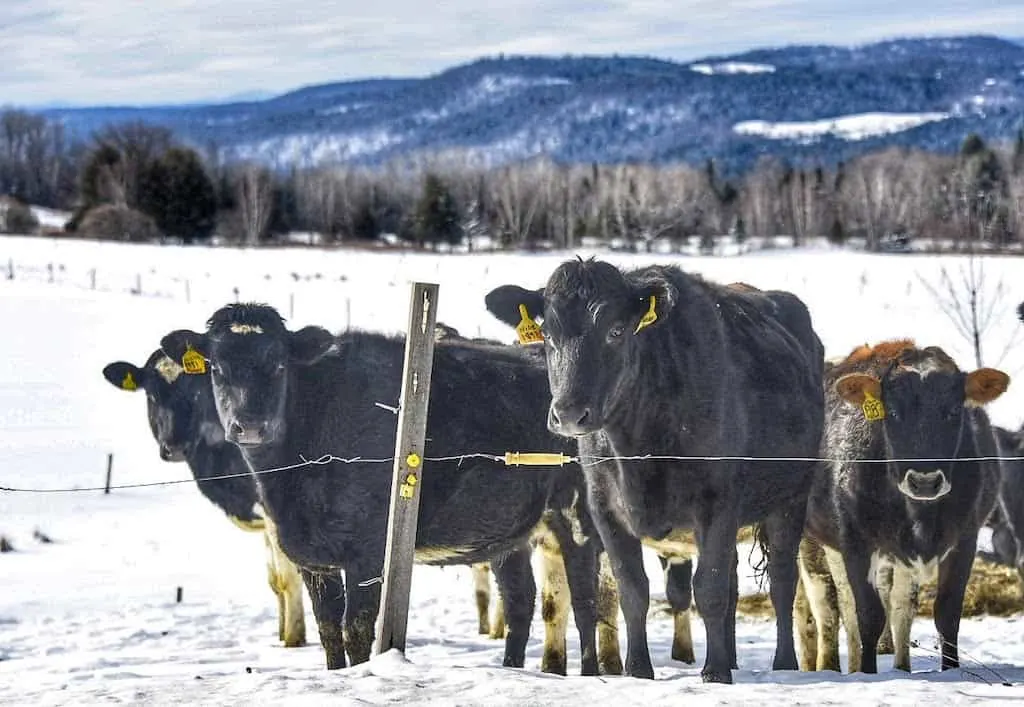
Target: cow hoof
336 662
644 672
611 668
684 655
723 677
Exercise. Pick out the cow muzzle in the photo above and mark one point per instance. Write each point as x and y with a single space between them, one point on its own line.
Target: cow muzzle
572 420
249 433
169 454
924 486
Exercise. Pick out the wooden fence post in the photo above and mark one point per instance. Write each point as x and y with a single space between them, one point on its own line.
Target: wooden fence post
399 549
110 472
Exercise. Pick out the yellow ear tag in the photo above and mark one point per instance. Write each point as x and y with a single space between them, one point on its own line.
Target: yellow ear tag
129 383
193 362
872 407
649 317
527 329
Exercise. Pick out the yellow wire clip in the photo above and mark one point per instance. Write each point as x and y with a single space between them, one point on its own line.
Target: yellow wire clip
536 459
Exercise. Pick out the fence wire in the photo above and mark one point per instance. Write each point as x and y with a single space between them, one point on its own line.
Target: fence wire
504 459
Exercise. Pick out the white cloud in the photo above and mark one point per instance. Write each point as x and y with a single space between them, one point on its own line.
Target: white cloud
130 51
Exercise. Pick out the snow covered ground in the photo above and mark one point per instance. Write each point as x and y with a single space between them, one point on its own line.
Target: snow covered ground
92 618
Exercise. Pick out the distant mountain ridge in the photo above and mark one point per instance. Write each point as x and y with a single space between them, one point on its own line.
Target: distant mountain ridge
808 102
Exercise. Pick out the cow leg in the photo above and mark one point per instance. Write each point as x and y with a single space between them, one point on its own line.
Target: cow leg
327 594
554 608
362 608
609 656
713 587
514 576
884 582
902 607
819 631
286 583
482 587
954 571
580 563
870 612
783 530
679 592
498 621
806 635
847 608
734 600
626 559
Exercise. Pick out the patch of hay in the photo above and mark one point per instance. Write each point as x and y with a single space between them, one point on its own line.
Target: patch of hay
756 605
992 590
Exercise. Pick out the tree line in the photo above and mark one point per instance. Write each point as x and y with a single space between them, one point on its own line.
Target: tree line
135 181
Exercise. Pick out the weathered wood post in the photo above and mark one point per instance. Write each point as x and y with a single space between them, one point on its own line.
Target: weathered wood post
110 472
408 469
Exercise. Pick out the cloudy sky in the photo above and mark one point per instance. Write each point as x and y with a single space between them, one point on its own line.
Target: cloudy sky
173 51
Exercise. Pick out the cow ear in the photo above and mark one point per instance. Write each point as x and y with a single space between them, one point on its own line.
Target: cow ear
504 303
984 385
188 349
654 299
124 375
855 388
309 344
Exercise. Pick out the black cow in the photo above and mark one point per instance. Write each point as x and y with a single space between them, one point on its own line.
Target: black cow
880 504
555 598
655 361
185 425
284 396
1007 518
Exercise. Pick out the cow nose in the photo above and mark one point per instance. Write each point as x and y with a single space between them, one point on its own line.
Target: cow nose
247 433
570 418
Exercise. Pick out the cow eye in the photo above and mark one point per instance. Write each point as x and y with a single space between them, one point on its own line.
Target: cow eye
893 414
615 332
279 369
952 413
215 368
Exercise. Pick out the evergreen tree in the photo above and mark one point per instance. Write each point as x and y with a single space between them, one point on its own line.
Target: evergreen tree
179 195
836 235
437 216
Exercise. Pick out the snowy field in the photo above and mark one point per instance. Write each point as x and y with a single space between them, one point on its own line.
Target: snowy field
91 618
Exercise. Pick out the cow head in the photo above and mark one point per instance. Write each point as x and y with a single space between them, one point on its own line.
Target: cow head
247 353
593 320
921 404
175 403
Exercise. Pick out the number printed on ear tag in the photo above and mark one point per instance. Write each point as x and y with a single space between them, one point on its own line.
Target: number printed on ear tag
193 362
872 407
527 329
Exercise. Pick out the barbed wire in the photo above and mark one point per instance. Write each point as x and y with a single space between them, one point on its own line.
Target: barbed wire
508 459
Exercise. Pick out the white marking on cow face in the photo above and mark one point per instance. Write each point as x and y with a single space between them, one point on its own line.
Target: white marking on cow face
238 328
925 486
168 369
